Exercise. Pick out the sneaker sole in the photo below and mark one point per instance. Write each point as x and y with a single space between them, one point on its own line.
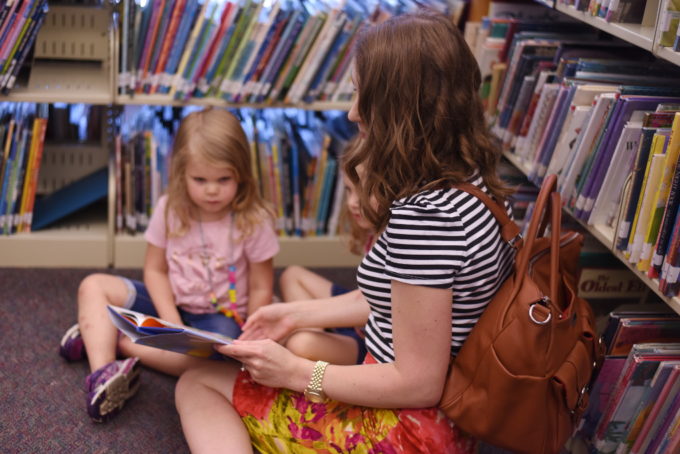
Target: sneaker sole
111 398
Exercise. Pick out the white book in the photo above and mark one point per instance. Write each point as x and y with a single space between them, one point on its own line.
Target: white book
517 141
544 107
585 144
605 206
573 124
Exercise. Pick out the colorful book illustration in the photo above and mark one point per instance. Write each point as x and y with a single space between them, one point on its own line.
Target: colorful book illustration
154 332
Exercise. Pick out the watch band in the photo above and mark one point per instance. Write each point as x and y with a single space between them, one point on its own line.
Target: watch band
317 377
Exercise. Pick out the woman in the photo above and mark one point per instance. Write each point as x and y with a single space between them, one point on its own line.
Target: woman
437 262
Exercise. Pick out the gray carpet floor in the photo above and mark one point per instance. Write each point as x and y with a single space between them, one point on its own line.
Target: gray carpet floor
42 397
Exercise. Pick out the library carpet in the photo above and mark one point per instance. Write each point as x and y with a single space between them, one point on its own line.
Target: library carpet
42 398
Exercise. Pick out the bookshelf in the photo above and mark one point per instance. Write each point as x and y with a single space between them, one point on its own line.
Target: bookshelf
645 36
76 61
605 235
641 35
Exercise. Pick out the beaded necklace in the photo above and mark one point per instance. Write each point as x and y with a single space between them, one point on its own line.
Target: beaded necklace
230 311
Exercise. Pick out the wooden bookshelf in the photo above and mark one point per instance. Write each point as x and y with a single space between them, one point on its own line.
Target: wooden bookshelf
72 60
76 61
322 251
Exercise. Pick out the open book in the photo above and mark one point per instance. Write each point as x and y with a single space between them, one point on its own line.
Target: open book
152 331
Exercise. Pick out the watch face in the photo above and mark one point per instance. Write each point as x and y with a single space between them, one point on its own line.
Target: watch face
314 396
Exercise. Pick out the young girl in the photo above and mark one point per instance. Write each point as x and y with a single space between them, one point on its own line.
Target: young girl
210 244
437 262
344 345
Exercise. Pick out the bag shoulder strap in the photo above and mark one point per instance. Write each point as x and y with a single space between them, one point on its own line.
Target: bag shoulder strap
510 231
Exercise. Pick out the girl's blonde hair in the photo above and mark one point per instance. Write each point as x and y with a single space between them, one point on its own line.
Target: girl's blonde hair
418 88
215 136
357 237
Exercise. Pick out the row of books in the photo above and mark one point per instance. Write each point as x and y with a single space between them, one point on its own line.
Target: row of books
22 137
628 11
245 51
577 106
20 21
294 155
635 400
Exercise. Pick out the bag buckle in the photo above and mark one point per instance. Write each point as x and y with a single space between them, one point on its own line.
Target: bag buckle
533 317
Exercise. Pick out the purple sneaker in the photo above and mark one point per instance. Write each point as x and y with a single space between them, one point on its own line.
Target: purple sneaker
72 347
109 387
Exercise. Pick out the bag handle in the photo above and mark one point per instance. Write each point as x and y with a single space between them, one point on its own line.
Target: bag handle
548 208
510 231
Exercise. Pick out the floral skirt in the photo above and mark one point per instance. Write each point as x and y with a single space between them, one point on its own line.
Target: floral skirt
281 420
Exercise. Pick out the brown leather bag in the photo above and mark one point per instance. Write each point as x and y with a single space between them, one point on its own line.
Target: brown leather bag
521 379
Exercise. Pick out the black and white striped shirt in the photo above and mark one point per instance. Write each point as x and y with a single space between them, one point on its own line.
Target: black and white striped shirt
442 238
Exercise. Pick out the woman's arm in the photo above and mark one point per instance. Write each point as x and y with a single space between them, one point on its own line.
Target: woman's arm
260 285
158 284
276 321
422 342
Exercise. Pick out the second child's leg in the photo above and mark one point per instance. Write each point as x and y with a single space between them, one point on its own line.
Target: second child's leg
100 336
112 382
298 283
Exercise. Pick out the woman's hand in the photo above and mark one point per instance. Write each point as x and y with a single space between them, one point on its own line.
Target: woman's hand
270 364
274 321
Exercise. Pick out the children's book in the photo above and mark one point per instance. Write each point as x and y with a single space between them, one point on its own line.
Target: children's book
148 330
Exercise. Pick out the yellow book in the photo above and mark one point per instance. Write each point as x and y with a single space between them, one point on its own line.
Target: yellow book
188 49
631 233
649 185
497 73
27 179
661 195
318 184
319 174
245 38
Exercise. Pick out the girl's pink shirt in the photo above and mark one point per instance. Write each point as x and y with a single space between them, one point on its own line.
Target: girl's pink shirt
186 269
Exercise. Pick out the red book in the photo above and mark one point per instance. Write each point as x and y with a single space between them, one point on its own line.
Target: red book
168 41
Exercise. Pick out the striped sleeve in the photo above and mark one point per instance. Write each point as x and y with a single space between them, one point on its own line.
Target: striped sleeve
425 245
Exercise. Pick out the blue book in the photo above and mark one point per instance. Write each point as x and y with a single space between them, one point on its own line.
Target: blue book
188 20
553 128
197 53
71 198
212 70
4 190
326 191
330 59
250 72
13 183
291 31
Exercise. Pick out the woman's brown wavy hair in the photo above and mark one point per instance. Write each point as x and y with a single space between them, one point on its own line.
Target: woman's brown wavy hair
215 136
418 99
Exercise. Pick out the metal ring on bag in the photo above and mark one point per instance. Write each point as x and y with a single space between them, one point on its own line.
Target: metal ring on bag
533 319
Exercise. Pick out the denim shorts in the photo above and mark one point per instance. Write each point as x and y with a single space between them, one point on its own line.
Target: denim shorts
351 332
140 301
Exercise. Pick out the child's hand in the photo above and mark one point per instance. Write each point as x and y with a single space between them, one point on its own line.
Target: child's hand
269 363
273 321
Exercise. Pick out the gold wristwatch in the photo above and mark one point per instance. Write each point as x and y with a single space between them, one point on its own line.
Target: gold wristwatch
314 391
